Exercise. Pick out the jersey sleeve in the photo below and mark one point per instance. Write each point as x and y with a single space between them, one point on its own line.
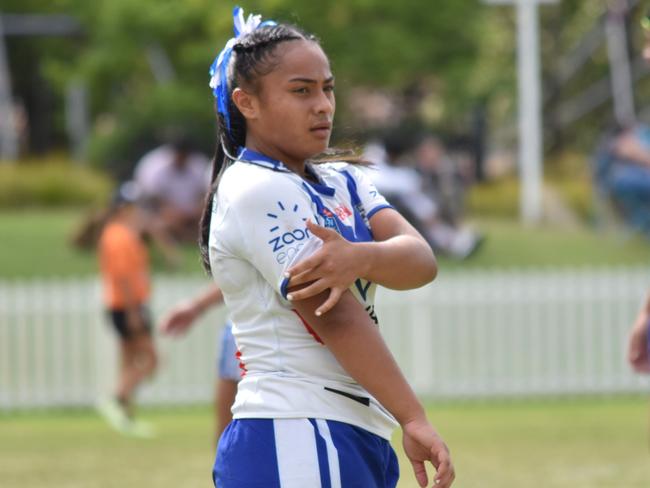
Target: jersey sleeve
371 199
267 226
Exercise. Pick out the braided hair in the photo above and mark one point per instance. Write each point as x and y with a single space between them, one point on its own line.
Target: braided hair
254 56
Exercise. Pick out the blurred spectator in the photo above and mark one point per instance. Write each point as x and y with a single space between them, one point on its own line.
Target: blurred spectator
124 267
638 347
443 177
86 237
403 187
623 174
175 180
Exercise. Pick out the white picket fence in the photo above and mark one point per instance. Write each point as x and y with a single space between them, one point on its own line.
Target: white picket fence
468 335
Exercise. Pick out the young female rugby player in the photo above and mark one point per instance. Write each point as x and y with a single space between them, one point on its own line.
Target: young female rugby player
298 249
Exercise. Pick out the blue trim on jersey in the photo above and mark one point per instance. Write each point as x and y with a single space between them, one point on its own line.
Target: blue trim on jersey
320 187
358 233
249 156
253 157
377 209
361 223
283 287
329 218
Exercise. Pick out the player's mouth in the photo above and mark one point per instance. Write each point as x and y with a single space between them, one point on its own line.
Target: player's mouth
321 130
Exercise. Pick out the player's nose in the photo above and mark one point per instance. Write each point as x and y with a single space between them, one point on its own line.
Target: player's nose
324 103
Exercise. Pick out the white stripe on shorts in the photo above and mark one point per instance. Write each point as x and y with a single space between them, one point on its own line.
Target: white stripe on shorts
332 453
295 447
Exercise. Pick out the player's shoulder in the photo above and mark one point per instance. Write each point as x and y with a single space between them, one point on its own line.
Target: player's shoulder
332 168
333 165
243 182
344 169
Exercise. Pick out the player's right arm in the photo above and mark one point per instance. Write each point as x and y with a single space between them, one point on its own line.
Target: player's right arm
358 346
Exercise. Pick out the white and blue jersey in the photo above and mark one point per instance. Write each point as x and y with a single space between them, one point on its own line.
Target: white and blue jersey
258 231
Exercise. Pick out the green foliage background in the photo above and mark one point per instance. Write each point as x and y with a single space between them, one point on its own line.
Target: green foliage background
375 43
463 50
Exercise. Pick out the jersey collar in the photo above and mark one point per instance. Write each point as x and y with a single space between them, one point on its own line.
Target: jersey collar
253 157
320 187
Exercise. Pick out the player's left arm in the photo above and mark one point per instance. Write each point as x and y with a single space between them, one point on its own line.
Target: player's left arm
399 258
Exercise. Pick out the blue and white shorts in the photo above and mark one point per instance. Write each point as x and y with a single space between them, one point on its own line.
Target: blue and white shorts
302 453
228 366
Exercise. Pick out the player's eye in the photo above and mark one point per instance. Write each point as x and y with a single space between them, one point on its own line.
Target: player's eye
329 88
301 90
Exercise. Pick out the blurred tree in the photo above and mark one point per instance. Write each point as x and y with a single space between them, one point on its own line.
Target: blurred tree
145 63
27 56
377 43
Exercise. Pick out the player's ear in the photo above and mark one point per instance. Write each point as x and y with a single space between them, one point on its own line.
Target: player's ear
246 103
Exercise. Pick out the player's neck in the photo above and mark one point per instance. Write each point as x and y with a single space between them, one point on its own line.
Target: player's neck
297 166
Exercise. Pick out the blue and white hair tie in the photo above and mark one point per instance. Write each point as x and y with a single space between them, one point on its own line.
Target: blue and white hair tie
219 68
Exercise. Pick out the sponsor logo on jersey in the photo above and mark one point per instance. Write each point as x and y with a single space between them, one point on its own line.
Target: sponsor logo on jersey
329 222
343 212
285 243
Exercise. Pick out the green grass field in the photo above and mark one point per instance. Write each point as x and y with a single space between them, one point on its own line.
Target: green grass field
34 243
583 443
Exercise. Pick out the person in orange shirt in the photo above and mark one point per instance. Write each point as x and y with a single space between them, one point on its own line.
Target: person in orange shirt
124 268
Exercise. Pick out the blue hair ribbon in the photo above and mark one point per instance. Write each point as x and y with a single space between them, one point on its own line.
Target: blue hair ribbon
219 67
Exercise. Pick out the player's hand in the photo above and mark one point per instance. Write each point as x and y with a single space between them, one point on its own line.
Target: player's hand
637 348
421 444
334 266
178 320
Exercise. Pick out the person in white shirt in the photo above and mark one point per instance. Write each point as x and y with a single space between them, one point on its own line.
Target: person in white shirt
404 187
297 249
175 180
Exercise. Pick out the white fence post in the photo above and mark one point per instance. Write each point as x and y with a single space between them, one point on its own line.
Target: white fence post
468 335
